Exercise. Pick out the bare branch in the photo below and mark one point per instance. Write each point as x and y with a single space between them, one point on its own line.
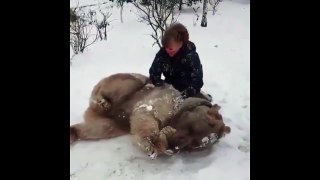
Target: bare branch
214 4
197 16
80 31
156 14
90 5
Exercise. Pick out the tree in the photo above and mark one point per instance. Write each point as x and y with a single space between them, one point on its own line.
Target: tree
159 15
204 13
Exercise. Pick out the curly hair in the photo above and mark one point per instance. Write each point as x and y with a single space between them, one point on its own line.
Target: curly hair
176 32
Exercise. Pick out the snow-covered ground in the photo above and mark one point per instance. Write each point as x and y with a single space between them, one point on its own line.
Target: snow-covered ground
224 50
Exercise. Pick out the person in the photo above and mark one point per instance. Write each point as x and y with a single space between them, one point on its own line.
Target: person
179 63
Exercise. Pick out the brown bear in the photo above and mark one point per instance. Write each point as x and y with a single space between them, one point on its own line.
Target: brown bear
158 117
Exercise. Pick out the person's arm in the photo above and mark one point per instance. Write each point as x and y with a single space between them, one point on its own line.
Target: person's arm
155 72
196 82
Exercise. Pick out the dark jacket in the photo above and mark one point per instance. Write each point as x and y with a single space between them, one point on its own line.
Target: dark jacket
183 71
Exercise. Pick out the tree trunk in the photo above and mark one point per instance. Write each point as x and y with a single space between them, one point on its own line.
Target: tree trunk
100 35
121 12
105 33
204 14
180 5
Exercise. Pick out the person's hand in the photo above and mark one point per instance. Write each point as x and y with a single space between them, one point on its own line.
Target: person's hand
184 94
149 85
160 83
190 91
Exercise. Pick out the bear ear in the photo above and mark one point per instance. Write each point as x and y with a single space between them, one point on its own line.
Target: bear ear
216 106
224 131
227 129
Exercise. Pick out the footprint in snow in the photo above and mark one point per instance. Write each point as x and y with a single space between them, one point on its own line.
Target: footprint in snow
245 148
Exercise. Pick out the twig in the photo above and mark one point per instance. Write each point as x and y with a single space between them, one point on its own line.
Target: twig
156 15
90 5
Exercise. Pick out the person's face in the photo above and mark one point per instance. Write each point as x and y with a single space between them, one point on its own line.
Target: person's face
173 47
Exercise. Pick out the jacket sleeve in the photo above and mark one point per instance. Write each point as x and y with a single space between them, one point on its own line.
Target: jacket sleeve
155 72
196 81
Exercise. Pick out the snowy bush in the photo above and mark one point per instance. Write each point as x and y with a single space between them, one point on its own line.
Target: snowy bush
81 28
87 26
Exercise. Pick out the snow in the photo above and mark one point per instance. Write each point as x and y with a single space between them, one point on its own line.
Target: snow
148 107
224 50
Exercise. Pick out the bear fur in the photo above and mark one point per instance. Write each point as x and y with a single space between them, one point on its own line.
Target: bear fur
158 118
